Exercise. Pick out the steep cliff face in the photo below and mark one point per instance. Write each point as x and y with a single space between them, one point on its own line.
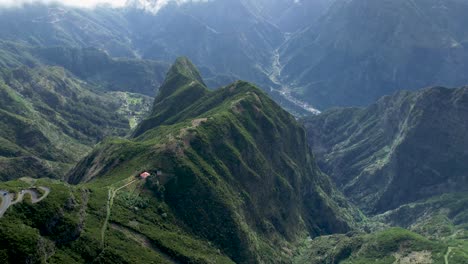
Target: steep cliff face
237 168
403 148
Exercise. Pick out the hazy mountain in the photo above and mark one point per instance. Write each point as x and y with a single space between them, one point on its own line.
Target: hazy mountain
227 39
110 74
290 15
324 53
91 65
404 148
222 36
363 49
57 25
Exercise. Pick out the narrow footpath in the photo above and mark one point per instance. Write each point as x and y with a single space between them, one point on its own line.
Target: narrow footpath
110 202
447 255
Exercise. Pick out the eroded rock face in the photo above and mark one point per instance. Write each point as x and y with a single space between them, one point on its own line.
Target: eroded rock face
405 147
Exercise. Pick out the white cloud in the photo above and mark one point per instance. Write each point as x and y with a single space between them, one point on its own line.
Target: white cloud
150 5
156 5
75 3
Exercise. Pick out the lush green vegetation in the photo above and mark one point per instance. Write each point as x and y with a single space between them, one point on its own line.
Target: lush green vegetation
238 185
404 148
402 160
51 116
393 245
49 120
66 227
222 152
92 65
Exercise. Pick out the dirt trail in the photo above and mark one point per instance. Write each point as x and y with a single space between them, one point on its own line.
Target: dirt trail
447 255
110 202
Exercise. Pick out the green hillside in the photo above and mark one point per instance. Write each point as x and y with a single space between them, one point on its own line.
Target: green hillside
222 153
232 180
92 65
404 148
394 245
49 120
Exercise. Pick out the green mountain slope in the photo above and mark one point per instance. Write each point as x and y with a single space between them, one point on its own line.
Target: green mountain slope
98 68
89 64
232 180
67 227
49 120
394 245
236 169
404 148
443 217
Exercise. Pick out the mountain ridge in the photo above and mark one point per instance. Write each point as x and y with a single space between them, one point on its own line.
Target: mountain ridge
221 147
407 130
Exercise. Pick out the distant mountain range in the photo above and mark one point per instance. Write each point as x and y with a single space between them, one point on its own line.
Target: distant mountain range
304 53
363 49
229 40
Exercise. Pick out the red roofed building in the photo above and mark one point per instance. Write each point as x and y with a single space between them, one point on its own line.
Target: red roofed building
144 175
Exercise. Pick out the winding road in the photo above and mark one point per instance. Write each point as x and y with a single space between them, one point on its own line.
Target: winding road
7 198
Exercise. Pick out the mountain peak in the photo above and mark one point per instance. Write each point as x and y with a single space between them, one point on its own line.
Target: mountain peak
181 75
181 88
184 66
